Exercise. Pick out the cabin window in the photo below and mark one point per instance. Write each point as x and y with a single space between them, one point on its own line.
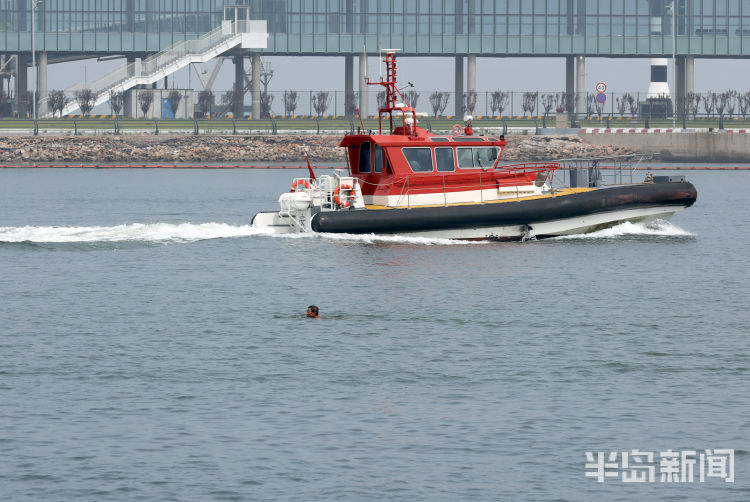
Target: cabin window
419 159
472 139
441 140
483 157
364 158
378 159
444 159
465 158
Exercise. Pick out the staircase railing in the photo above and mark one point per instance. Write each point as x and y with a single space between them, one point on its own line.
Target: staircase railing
154 63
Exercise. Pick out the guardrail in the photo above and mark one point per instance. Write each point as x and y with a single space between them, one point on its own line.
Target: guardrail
321 125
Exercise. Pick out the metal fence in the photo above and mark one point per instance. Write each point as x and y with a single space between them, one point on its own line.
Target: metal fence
323 104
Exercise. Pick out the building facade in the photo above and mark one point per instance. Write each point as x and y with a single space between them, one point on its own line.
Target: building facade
465 29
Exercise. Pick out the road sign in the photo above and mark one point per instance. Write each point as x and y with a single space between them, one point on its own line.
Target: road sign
601 98
601 87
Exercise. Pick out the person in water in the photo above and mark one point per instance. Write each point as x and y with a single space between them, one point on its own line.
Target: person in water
312 311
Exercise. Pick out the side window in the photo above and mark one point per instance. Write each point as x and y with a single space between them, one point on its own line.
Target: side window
378 159
364 157
419 159
485 156
465 158
444 159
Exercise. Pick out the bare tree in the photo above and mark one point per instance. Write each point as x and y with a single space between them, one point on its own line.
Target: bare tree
548 102
57 101
694 101
116 101
145 98
438 102
731 102
621 104
567 102
721 103
709 103
290 102
205 102
470 102
498 101
232 99
412 98
590 100
744 103
320 102
529 102
681 106
85 99
350 103
173 98
266 100
380 98
633 104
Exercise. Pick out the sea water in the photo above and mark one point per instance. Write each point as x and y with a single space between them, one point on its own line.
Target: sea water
153 346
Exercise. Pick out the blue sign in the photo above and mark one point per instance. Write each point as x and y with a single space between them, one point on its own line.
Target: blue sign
601 98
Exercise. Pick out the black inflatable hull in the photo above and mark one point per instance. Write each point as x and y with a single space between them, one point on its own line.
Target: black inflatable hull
617 199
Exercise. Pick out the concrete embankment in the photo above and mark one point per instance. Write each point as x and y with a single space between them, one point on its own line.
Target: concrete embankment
695 147
241 151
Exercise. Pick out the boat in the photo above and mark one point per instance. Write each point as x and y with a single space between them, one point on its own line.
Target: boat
405 180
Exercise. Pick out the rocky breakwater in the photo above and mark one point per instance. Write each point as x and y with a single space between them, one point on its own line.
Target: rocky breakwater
246 150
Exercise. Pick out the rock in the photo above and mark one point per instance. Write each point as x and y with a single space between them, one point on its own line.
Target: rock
284 149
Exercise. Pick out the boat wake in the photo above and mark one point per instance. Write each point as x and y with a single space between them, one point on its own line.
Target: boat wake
658 228
166 233
382 239
134 232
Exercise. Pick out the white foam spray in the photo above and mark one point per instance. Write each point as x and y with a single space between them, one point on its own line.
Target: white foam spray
189 232
658 228
151 232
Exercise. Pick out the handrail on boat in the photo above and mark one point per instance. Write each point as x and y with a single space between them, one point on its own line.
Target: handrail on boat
524 169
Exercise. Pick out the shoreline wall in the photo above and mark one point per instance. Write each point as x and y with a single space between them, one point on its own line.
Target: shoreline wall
708 147
247 149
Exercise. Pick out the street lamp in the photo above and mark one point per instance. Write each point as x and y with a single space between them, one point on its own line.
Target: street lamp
34 5
672 8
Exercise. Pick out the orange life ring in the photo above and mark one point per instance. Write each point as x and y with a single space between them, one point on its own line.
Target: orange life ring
336 195
457 129
298 183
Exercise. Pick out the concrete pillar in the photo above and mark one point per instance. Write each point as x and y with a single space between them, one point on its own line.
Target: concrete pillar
679 85
41 62
238 105
363 85
471 75
348 85
580 84
471 72
459 88
689 74
255 84
22 84
570 81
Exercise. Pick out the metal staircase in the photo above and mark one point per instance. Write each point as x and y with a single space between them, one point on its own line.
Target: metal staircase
243 33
